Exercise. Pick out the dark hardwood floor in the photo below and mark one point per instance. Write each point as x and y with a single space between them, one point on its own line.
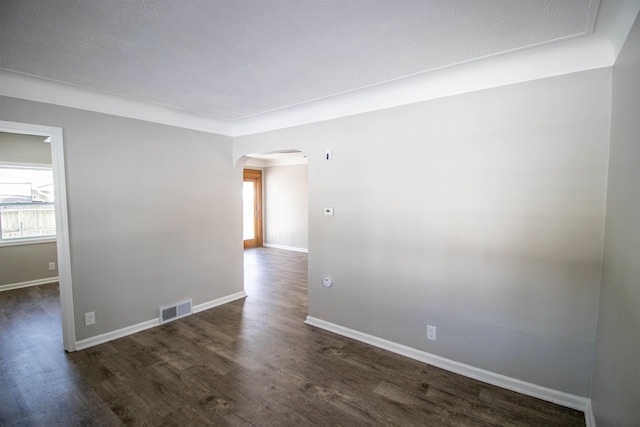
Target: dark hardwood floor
250 362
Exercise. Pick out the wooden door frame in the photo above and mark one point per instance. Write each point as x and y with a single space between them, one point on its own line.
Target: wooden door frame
255 176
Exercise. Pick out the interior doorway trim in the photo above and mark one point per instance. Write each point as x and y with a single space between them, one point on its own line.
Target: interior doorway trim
255 177
62 223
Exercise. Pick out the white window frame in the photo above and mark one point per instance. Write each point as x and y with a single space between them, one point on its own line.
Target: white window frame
27 240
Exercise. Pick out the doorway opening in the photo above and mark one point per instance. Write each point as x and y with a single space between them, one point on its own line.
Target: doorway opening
53 136
284 207
252 208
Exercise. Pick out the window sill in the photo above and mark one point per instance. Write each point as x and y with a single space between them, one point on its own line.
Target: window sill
20 242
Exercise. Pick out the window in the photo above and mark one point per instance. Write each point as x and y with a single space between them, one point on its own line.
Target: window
26 203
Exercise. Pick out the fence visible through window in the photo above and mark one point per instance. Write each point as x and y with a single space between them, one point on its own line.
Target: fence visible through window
26 203
20 221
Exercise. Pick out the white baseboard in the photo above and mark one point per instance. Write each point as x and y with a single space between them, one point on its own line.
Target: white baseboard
529 389
27 284
216 302
114 335
129 330
286 248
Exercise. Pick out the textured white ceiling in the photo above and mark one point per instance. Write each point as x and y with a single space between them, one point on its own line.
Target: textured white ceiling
235 59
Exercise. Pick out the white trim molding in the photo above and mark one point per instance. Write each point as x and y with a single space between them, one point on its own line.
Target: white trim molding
130 330
27 284
114 335
286 248
561 398
39 89
220 301
27 241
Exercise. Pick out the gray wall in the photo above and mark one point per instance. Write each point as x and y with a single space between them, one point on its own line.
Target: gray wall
154 214
481 214
286 199
616 375
18 148
25 263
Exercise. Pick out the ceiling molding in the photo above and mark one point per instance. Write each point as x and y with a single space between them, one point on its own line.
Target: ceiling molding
51 92
614 21
547 61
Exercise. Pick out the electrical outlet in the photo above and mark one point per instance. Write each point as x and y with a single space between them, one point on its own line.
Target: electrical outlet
431 332
52 266
89 318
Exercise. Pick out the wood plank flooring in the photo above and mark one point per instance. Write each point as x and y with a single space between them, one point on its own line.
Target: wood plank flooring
248 363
